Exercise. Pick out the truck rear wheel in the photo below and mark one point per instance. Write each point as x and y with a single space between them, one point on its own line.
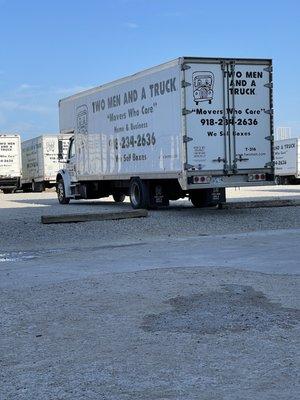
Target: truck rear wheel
207 197
277 180
139 194
7 191
61 194
119 197
198 201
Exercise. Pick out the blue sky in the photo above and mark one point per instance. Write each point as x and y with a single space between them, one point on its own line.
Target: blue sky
51 49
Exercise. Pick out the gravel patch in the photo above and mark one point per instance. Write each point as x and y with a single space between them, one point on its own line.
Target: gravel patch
20 221
86 339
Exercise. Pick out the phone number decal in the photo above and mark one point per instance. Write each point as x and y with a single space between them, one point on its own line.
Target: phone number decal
146 139
221 121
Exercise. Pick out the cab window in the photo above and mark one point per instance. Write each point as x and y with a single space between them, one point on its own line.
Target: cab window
71 149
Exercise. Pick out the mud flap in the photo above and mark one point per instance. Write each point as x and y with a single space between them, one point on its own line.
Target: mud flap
216 196
158 197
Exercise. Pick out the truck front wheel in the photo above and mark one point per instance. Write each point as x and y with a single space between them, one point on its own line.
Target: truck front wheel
61 194
139 194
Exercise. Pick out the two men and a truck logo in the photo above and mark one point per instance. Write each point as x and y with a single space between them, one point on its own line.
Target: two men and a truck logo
82 119
203 86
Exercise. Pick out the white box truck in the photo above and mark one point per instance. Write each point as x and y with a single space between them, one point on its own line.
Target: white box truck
189 127
10 162
287 161
41 160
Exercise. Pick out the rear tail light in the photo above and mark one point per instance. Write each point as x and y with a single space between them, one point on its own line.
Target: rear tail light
201 179
256 177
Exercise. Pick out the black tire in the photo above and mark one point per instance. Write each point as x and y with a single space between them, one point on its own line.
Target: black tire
119 197
277 180
139 194
198 201
26 188
205 198
284 180
7 191
61 194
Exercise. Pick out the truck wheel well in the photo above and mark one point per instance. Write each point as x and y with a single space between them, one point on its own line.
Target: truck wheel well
58 177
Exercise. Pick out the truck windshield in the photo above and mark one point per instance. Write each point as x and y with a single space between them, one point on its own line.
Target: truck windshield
71 149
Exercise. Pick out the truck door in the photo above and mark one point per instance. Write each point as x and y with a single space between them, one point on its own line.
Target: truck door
71 160
227 115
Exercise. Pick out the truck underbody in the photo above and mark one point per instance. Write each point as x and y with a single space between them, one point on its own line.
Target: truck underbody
287 180
37 186
153 193
9 185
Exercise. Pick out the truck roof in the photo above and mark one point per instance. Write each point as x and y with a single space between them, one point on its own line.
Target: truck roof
168 64
46 135
8 135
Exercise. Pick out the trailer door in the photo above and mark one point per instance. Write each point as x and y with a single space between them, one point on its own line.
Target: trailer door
250 102
227 115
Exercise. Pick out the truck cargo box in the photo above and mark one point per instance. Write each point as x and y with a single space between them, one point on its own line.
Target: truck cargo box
41 159
10 162
287 160
204 122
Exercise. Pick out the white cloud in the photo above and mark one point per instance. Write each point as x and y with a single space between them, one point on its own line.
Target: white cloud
131 25
26 86
11 105
69 90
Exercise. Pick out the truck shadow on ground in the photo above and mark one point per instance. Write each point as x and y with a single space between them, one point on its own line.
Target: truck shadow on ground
282 190
174 205
54 202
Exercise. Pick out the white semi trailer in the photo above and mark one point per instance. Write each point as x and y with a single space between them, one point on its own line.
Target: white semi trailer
10 162
41 159
287 161
189 127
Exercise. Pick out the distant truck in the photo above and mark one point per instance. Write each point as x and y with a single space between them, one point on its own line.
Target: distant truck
10 162
287 161
41 160
187 128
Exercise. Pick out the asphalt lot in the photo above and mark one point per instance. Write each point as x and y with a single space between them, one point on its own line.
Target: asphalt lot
184 304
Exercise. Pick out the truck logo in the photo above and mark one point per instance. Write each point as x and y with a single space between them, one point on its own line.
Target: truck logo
82 119
50 147
203 86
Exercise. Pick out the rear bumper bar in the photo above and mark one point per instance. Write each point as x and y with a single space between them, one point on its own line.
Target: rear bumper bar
239 180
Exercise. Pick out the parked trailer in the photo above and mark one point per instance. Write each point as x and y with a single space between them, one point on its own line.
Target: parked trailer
189 127
10 162
287 161
41 158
